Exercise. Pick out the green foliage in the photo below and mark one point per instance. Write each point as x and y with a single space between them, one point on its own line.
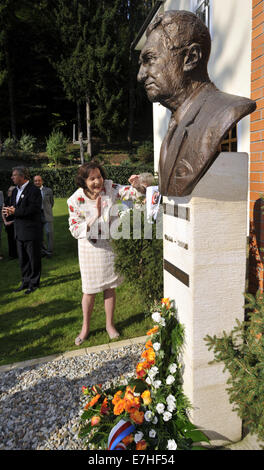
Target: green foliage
145 152
27 143
153 400
56 146
10 146
140 260
242 352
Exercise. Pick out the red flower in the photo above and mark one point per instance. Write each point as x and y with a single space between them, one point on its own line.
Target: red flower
81 200
71 208
74 221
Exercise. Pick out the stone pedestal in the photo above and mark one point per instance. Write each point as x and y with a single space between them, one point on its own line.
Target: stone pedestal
204 273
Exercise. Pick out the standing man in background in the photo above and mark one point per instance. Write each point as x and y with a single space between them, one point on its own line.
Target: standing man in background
26 209
46 215
1 222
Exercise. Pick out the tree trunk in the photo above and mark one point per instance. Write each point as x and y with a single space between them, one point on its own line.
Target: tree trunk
79 121
81 148
88 126
11 96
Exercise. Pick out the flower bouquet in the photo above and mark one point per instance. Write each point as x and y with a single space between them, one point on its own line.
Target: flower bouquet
151 411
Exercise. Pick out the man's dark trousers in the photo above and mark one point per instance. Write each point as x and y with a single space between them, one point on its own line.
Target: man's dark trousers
29 255
28 234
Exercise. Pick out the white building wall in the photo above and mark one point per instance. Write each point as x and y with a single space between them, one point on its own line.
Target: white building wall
229 64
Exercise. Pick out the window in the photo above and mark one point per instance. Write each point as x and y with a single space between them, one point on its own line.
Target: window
229 142
201 9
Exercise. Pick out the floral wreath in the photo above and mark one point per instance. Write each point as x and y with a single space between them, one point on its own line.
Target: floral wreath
151 411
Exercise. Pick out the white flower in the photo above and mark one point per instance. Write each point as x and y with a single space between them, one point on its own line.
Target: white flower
152 372
148 380
173 368
167 416
160 408
170 379
156 317
156 346
171 407
172 445
148 415
152 433
138 436
157 383
155 420
170 399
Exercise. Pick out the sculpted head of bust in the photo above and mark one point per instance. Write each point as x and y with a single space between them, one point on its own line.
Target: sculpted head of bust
173 61
173 69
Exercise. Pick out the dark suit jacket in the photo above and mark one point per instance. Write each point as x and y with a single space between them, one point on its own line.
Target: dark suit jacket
190 148
27 223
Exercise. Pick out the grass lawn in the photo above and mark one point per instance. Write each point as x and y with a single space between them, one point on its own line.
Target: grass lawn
48 320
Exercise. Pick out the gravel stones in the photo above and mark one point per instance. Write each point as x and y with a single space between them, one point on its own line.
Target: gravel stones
40 406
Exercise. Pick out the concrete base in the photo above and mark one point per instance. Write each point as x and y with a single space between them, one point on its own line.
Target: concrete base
204 273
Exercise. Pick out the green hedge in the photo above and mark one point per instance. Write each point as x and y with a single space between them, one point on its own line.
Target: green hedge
62 180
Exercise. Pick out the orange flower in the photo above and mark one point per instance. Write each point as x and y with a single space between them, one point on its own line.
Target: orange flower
141 445
119 407
149 344
146 397
149 355
117 397
258 336
95 420
166 301
130 400
95 399
153 330
137 416
104 407
141 368
92 402
128 439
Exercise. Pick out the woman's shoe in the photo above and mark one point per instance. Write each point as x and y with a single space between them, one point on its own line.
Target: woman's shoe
113 335
78 341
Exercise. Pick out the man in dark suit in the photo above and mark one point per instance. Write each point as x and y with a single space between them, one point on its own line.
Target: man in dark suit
174 72
46 215
26 209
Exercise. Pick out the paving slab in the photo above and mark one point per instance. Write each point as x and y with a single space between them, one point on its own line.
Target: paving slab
74 353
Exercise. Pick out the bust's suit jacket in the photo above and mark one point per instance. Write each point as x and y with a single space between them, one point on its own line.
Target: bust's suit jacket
189 149
27 216
48 203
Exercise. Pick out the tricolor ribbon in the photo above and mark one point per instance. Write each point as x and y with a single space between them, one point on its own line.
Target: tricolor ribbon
120 430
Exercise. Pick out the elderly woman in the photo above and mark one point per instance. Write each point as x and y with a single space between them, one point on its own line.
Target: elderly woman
89 207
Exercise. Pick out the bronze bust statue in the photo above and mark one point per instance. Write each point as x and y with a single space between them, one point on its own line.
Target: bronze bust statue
173 68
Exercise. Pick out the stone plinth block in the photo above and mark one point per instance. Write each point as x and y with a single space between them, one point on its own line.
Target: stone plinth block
204 273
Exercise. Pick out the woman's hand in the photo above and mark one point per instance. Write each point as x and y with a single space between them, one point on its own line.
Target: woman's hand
133 180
